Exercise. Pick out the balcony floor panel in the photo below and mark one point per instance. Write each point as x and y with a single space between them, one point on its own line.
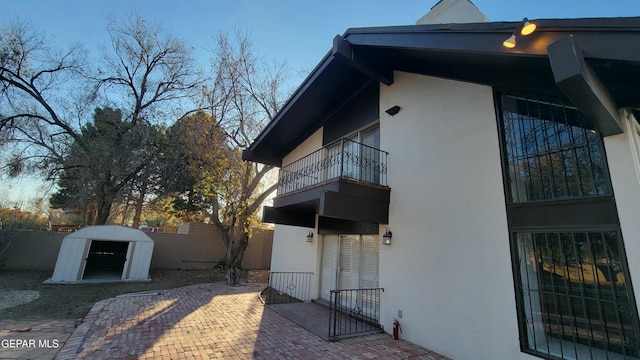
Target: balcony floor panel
339 198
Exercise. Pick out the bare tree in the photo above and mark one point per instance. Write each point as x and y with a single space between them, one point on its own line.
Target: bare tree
149 69
245 95
150 72
47 97
42 101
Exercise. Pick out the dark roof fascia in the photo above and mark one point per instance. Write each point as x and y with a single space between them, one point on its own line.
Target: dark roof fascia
486 38
564 25
317 71
319 74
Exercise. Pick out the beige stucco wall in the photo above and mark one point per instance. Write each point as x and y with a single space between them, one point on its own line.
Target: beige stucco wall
449 267
195 246
311 144
185 252
30 250
258 253
198 246
292 252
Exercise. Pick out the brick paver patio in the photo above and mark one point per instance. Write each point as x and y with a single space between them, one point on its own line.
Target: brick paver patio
212 321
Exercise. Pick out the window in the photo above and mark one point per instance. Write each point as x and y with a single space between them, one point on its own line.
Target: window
573 294
552 151
358 156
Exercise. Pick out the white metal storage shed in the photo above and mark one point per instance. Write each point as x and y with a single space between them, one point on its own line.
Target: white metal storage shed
104 253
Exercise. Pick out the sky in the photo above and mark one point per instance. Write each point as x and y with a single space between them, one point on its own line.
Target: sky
296 32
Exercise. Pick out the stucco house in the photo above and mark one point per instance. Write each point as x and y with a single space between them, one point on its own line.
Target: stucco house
503 181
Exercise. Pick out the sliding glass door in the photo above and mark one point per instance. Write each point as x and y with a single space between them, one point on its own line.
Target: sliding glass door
349 262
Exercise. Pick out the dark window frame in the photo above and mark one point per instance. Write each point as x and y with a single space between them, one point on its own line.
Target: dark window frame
559 294
534 217
568 141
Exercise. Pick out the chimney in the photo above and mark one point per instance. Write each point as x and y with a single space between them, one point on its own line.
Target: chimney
453 11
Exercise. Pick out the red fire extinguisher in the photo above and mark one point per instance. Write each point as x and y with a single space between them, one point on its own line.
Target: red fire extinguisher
396 329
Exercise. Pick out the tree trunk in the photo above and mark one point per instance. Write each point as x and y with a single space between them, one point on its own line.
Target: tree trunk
103 204
236 244
104 210
234 259
139 204
85 215
125 213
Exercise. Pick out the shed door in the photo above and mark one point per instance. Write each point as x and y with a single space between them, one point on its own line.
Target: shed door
106 259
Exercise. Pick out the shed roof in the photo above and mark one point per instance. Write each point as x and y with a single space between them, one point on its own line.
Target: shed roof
110 232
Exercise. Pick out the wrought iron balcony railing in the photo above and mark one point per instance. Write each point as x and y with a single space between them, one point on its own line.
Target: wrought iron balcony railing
342 158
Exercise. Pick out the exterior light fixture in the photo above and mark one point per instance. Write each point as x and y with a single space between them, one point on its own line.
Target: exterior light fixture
528 27
386 238
510 42
393 110
310 236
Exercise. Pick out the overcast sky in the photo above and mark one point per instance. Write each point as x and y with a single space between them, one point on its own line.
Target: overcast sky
296 32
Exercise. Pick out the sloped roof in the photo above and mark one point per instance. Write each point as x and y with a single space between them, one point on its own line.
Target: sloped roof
110 232
464 52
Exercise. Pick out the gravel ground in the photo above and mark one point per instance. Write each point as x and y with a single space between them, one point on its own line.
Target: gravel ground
60 302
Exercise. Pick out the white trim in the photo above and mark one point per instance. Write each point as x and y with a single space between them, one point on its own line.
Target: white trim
633 132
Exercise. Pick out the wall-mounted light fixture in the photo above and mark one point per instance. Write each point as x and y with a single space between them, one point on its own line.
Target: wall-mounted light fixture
527 28
386 238
310 236
393 110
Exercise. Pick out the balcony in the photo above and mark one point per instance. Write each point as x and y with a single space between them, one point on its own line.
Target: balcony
343 158
345 180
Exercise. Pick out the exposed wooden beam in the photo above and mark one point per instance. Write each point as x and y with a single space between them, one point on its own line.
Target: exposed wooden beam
582 86
343 51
